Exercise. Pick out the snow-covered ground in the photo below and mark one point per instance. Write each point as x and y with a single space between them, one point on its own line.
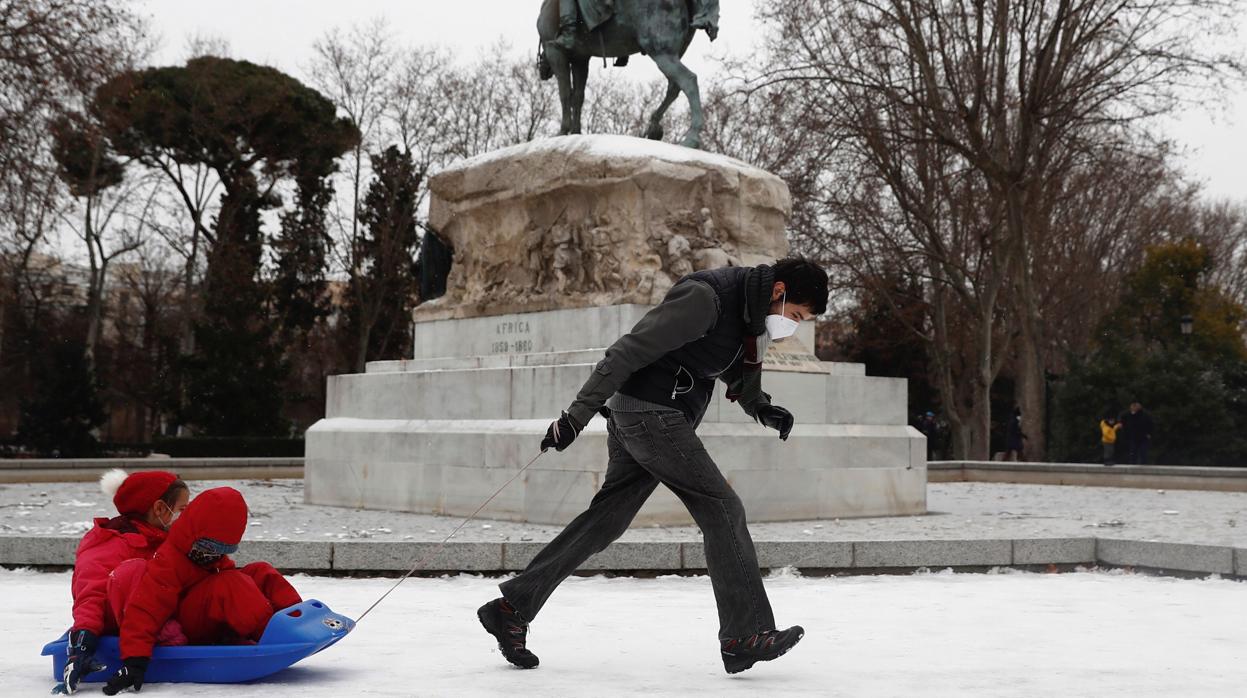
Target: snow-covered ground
958 510
1003 635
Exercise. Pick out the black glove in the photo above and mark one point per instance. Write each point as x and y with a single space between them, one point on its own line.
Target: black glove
562 432
129 676
776 418
81 661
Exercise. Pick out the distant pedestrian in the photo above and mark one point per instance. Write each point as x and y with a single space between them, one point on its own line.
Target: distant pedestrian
1014 436
1109 426
930 429
1137 425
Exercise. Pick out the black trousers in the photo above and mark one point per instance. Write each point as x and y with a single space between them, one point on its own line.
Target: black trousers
645 449
1138 451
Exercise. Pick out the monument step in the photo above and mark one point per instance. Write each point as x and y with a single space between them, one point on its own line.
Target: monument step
442 467
533 392
553 358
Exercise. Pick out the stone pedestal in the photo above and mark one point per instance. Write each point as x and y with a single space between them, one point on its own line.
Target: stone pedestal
560 247
583 221
438 434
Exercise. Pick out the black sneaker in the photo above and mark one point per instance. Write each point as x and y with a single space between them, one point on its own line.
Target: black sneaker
741 653
502 621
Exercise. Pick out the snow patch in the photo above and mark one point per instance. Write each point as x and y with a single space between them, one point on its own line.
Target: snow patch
78 504
966 635
608 146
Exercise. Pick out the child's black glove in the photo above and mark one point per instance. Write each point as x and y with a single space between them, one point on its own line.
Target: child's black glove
81 661
129 676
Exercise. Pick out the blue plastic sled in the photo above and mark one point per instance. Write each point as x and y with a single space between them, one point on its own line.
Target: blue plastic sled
293 634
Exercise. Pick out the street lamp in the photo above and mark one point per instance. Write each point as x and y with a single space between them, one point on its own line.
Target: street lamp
1188 325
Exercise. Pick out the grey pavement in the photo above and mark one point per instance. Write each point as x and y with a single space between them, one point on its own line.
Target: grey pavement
958 511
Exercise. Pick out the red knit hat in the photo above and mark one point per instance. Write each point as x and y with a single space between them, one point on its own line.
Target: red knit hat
135 493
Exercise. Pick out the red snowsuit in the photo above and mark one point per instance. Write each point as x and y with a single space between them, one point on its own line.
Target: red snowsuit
217 603
102 550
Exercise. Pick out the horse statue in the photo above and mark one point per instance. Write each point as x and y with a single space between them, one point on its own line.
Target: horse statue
660 29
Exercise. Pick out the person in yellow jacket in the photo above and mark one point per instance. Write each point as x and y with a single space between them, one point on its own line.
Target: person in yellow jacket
1109 427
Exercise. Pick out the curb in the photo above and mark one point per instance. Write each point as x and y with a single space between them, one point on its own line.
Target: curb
846 557
26 470
1173 477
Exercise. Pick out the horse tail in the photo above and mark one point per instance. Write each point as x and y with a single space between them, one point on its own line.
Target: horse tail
544 70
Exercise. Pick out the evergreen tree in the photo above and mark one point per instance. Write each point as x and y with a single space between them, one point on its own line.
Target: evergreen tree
300 301
384 283
61 417
301 248
888 338
1194 385
244 121
236 375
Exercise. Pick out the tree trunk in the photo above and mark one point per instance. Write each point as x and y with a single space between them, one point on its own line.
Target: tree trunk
981 413
94 283
188 294
1030 386
1030 394
361 352
95 313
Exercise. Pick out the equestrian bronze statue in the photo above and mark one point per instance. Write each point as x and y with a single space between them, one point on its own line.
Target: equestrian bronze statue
574 31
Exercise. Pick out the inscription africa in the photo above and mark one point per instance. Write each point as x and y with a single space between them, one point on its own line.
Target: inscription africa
514 337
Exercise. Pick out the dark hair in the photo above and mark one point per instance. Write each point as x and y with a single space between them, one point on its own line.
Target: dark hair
170 497
805 282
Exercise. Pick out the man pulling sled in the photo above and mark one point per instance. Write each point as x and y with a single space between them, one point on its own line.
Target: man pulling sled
656 383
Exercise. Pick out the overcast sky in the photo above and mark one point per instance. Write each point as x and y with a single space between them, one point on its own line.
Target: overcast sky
281 32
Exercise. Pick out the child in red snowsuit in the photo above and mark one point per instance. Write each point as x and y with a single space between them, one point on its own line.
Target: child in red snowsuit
147 504
192 579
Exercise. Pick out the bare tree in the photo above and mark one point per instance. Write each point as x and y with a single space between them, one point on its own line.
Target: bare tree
110 225
353 68
615 104
108 203
148 331
1222 228
50 50
1009 90
180 220
414 113
201 44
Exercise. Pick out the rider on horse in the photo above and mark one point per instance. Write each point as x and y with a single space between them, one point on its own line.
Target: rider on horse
705 16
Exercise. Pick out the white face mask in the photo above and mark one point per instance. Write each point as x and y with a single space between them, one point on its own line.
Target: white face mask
780 326
173 516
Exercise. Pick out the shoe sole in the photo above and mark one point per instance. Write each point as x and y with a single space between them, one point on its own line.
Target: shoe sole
480 616
737 670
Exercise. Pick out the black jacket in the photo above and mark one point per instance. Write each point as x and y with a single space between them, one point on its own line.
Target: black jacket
1137 426
710 326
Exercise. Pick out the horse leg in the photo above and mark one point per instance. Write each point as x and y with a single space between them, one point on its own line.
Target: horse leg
679 74
562 72
580 76
655 132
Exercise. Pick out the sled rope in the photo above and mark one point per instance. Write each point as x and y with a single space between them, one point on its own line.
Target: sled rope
440 546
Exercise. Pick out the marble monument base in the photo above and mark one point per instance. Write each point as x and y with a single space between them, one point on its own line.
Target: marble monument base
441 432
